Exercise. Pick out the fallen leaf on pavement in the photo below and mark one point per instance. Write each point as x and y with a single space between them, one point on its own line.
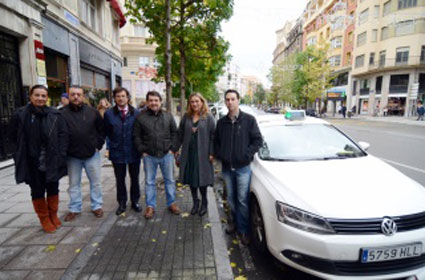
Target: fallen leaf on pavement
234 241
223 221
232 264
180 195
78 250
208 225
50 248
164 232
153 240
185 215
240 270
240 277
122 214
95 244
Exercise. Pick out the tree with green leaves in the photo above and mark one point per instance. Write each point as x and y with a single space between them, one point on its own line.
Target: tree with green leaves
259 94
198 52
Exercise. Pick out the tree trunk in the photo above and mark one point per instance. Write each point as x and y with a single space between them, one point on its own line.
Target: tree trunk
182 63
169 100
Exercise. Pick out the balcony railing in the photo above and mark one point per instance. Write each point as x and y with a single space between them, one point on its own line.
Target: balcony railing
398 88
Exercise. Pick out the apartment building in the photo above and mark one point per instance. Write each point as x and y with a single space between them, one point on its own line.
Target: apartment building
389 57
294 39
281 42
56 43
333 22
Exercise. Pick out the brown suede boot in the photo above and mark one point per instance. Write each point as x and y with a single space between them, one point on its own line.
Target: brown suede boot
40 207
53 205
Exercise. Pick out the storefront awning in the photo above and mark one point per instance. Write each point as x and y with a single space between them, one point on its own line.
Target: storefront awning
117 8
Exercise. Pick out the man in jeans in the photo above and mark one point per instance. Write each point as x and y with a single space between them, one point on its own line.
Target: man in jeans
86 138
237 139
156 139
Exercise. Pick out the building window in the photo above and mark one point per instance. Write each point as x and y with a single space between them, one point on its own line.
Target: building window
88 13
372 58
125 61
402 55
335 60
350 37
336 42
143 61
387 8
364 87
363 16
384 33
399 83
423 54
361 39
139 31
376 11
382 58
311 41
348 56
403 4
405 27
359 61
374 35
378 85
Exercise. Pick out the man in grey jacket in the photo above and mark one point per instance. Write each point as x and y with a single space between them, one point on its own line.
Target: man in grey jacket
156 139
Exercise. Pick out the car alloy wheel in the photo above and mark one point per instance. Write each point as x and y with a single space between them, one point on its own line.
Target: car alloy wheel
257 227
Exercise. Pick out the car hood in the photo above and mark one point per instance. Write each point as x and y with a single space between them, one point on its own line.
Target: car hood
353 188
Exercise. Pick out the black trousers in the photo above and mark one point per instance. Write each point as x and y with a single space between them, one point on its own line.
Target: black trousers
38 184
120 170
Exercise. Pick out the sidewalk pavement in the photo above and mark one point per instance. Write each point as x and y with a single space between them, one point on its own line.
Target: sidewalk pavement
387 119
124 247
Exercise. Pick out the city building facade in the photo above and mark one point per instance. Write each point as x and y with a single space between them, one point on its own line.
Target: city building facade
281 43
230 79
249 85
294 39
389 57
56 43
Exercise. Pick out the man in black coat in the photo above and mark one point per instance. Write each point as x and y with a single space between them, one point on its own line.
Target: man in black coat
156 139
86 138
237 138
39 134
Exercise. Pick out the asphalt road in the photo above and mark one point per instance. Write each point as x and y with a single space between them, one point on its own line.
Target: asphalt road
402 146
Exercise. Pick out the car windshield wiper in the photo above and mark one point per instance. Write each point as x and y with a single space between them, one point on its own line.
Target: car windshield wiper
278 159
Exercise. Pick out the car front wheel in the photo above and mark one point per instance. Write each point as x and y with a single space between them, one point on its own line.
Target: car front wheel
257 227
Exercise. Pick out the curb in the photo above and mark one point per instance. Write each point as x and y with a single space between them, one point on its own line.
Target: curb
222 261
77 265
7 163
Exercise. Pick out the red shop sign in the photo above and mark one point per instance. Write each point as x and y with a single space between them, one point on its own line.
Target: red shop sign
39 50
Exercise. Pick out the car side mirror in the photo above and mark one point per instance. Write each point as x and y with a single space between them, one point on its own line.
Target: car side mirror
364 145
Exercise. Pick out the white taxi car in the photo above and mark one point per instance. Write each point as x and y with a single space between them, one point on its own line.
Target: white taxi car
322 205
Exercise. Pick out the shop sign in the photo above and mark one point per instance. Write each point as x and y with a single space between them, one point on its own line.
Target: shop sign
39 50
336 94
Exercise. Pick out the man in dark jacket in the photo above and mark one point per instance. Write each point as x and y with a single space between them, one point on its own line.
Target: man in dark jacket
237 139
40 137
156 139
119 121
86 138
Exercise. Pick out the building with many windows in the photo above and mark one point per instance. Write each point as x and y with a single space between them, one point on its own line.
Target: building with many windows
279 54
389 57
56 43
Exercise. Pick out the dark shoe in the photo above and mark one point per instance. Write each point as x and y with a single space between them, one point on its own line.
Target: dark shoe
245 239
40 207
136 207
71 216
174 209
98 213
204 208
53 205
121 209
195 207
149 212
231 228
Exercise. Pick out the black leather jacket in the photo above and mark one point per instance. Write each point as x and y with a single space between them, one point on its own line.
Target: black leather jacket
155 134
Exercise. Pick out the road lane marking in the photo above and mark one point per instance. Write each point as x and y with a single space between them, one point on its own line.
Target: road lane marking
404 165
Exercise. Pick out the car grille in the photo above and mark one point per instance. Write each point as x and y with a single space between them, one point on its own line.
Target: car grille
372 226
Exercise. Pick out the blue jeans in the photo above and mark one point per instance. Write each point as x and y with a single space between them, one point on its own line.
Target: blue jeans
92 167
150 165
237 188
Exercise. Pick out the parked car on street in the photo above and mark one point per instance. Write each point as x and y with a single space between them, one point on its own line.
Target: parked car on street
313 214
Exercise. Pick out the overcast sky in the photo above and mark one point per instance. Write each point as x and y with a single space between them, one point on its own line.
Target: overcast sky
251 32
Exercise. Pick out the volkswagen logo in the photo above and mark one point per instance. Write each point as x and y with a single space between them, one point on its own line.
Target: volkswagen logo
388 226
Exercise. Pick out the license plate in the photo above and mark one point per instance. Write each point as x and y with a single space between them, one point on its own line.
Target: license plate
369 255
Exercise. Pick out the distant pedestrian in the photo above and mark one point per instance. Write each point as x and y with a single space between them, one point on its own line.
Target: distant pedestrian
86 138
156 139
40 135
421 111
142 106
64 101
385 111
119 121
103 106
237 138
343 110
196 133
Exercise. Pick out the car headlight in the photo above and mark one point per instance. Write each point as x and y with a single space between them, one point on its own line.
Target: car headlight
301 219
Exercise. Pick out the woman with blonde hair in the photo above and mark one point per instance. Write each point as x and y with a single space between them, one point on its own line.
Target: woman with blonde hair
196 132
103 106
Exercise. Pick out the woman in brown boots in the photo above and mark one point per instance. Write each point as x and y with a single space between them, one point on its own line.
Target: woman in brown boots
40 136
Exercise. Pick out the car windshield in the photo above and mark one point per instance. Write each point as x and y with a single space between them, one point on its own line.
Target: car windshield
296 142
